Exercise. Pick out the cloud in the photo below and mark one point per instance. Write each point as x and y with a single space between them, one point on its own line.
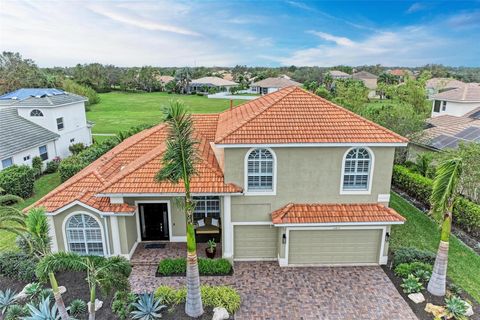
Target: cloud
465 20
342 41
417 6
300 5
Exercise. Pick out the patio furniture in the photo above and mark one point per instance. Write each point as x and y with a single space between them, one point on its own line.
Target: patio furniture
208 228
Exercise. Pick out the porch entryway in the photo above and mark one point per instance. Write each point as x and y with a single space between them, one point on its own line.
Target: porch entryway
154 224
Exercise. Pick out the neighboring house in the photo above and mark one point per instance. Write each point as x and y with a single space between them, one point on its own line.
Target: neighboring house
270 85
165 79
456 102
288 177
40 122
437 85
370 81
199 85
336 74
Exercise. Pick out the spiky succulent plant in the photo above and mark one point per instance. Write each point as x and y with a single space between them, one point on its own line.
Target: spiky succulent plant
147 308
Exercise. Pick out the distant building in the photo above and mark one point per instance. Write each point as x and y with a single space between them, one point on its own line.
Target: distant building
199 85
165 79
437 85
370 81
336 74
270 85
401 73
40 122
456 102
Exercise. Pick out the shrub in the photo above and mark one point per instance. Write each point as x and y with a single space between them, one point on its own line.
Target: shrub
411 254
76 148
77 307
466 215
17 265
82 90
168 267
52 166
455 289
70 166
122 304
455 307
37 165
414 184
18 180
168 295
421 270
15 312
411 284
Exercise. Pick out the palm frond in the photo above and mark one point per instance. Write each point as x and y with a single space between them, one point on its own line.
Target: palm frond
9 199
445 185
60 261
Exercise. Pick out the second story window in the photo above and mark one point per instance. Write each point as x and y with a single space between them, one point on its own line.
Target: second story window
357 167
60 125
444 105
436 106
43 153
260 170
36 113
7 163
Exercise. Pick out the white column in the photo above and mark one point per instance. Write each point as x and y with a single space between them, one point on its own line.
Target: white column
115 236
227 227
52 234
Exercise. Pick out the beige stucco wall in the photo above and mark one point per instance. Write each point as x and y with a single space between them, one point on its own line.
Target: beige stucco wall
304 175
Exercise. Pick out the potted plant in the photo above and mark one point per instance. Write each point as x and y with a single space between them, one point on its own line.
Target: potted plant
211 249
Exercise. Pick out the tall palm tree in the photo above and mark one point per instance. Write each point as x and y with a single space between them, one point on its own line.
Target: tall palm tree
445 189
179 164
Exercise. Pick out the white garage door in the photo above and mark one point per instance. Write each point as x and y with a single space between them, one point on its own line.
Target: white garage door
331 247
255 242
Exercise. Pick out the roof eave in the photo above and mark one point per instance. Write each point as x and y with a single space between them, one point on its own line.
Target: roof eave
338 224
314 144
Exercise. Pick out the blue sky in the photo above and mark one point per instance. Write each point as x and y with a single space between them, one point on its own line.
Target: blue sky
255 33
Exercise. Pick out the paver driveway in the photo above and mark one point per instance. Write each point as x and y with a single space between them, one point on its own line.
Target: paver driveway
271 292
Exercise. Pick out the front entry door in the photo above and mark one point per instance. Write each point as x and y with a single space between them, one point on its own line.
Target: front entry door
154 221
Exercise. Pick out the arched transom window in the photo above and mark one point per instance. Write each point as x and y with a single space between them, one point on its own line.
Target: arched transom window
260 170
84 235
356 174
36 113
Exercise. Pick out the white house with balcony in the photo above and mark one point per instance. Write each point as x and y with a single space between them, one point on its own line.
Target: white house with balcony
41 122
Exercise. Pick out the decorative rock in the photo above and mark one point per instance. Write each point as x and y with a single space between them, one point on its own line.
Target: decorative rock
62 289
437 311
220 314
416 297
469 311
23 295
98 305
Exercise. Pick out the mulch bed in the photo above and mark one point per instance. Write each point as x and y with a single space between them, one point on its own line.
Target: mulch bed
419 309
179 314
159 275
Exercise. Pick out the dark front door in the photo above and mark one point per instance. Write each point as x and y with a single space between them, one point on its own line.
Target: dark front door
154 221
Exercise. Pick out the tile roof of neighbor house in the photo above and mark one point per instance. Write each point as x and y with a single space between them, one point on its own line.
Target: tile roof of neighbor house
131 166
38 97
470 92
335 213
216 81
442 83
294 115
165 79
399 72
18 134
278 82
338 73
364 75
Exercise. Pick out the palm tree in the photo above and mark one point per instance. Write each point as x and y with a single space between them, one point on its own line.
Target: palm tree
179 164
445 189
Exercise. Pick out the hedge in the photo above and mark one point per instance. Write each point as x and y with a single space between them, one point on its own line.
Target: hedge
17 265
18 180
170 267
466 213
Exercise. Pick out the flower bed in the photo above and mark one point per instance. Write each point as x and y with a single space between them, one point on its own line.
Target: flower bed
206 267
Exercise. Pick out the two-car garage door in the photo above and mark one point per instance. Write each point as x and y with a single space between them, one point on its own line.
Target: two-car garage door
334 247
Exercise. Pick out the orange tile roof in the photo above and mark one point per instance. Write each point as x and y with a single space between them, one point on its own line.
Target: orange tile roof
335 213
293 115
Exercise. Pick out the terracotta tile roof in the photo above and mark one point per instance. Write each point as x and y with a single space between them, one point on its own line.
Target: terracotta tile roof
131 166
335 213
293 115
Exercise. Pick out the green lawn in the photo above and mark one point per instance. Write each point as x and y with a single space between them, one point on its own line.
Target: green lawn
120 110
422 232
42 186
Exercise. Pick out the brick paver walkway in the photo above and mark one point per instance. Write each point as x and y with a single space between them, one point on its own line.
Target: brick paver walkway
274 293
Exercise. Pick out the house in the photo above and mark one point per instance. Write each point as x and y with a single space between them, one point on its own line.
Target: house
456 102
370 81
205 83
40 122
165 79
272 84
289 177
436 85
336 74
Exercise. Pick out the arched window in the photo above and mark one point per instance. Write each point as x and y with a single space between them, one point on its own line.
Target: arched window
356 174
260 170
36 113
84 235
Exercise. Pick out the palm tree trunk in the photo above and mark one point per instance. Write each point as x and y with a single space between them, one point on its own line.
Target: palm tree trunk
438 280
58 297
91 307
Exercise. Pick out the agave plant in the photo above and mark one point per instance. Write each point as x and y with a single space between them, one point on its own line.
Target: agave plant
15 312
147 308
7 298
455 307
43 311
33 290
77 307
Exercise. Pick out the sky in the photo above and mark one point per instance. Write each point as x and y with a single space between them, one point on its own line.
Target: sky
253 33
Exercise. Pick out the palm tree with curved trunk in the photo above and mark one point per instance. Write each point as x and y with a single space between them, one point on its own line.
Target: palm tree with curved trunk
444 191
179 165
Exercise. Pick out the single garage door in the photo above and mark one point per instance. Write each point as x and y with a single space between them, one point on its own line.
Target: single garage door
334 246
255 242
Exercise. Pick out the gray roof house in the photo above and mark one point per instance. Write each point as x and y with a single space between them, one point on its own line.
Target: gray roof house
210 82
272 84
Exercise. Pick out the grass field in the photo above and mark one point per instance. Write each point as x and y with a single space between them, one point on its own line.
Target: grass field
42 186
118 111
421 232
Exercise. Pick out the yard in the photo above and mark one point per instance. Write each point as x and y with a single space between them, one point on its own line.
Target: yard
120 110
421 232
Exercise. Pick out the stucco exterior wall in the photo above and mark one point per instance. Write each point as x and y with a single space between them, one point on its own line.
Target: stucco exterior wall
455 108
304 175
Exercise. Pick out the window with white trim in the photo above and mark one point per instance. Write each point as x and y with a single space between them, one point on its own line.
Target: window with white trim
260 165
43 152
36 113
7 162
84 235
60 124
206 207
356 174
